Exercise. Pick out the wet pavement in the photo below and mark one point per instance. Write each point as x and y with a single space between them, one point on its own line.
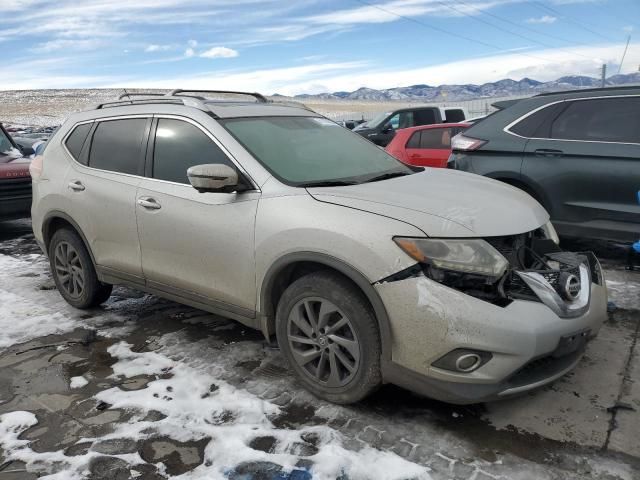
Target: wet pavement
146 388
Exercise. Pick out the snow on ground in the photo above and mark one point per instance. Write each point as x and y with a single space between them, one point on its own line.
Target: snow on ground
34 320
198 405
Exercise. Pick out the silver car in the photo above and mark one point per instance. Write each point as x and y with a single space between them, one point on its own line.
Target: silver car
365 270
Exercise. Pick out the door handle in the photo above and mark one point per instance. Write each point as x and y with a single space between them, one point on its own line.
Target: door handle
548 152
76 186
149 203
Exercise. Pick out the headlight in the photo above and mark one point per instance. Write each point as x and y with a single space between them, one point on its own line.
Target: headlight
550 232
460 255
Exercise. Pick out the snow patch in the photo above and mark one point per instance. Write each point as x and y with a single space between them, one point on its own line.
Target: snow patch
22 320
78 382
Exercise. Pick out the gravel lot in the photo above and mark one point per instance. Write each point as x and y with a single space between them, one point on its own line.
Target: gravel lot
145 388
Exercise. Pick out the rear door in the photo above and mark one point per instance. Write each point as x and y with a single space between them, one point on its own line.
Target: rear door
101 188
586 161
430 147
196 245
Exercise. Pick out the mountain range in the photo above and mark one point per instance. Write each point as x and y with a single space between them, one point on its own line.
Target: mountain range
501 88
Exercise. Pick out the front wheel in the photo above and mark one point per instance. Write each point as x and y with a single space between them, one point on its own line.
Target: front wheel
329 335
73 271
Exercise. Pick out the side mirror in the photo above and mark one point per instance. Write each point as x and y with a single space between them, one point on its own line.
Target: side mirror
213 177
27 151
387 128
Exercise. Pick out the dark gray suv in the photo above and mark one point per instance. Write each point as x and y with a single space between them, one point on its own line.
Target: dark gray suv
577 153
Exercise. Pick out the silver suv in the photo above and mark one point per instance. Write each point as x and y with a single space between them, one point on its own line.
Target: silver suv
365 270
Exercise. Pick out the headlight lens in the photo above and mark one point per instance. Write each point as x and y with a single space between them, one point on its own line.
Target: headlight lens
460 255
550 232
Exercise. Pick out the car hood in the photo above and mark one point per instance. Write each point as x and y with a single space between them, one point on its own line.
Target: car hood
444 203
14 168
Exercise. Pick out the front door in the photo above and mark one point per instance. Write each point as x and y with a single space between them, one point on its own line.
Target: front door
196 245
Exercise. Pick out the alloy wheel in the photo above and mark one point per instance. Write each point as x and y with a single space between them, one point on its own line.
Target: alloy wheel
323 341
69 269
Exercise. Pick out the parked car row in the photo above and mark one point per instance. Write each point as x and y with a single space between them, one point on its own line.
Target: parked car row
15 182
577 153
382 128
365 270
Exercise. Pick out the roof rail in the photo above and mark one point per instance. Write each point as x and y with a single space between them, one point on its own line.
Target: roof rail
608 88
140 95
258 96
186 101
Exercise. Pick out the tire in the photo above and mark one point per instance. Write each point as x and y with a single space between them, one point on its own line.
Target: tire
80 288
336 356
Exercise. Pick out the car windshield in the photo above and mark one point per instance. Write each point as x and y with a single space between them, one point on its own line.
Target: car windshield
303 151
5 144
375 121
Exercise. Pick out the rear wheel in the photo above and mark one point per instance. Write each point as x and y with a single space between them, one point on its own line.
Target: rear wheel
329 335
73 271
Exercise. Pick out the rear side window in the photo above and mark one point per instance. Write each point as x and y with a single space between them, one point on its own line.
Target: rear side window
537 125
604 120
180 145
117 145
437 138
75 141
454 115
424 117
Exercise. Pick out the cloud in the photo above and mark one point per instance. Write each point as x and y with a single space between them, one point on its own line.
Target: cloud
545 19
193 43
189 52
627 29
66 45
157 48
393 11
219 52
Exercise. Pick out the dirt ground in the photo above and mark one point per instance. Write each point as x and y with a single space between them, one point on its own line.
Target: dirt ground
144 388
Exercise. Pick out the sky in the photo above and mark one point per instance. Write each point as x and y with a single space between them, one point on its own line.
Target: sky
310 46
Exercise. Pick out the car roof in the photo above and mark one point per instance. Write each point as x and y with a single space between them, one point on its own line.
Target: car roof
434 126
151 102
594 92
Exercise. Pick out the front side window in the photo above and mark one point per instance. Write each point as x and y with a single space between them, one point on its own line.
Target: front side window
604 120
395 121
406 120
303 150
180 145
117 145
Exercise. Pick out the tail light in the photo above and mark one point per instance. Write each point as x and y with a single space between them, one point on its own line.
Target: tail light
36 166
466 144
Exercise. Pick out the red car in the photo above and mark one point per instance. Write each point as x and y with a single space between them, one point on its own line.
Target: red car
15 181
426 145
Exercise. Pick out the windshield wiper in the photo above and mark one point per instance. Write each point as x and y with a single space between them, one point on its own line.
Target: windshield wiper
328 183
386 176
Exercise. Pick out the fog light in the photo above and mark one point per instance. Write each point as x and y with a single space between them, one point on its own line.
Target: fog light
463 360
468 362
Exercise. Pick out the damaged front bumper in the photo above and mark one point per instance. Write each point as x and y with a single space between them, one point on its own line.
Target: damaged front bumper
536 335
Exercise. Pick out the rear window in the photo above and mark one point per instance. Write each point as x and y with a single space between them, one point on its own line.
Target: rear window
117 145
76 140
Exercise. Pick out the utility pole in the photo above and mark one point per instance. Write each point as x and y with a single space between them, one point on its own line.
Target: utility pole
604 75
